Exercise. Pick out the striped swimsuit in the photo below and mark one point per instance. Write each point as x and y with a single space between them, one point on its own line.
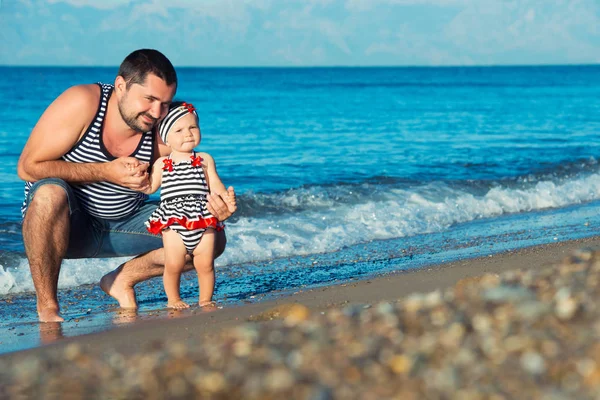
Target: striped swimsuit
104 199
183 202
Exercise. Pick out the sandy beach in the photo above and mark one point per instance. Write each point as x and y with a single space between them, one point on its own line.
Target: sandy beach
454 293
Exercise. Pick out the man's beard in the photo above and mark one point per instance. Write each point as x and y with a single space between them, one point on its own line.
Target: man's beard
132 120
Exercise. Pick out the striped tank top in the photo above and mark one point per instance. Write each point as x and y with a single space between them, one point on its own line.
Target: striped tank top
104 199
186 179
183 201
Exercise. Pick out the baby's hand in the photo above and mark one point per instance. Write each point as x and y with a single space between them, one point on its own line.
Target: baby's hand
132 167
229 199
223 205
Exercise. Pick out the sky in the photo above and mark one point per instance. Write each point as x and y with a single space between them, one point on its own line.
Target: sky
302 33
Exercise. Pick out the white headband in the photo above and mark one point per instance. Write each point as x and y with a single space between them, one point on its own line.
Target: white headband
174 115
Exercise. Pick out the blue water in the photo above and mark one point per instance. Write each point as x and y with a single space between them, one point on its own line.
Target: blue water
351 172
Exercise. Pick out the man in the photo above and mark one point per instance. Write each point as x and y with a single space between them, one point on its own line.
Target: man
84 165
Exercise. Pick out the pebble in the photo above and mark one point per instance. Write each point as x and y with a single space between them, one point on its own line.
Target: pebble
522 334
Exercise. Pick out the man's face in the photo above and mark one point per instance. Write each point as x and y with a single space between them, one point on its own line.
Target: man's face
142 106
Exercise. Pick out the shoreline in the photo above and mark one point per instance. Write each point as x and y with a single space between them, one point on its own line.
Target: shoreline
179 326
493 332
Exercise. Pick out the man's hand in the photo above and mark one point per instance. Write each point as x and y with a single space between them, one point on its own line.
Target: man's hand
128 172
223 205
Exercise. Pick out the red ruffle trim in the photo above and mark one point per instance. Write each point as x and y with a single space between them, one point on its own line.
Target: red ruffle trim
156 227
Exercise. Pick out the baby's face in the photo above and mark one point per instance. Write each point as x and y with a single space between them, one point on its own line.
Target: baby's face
184 136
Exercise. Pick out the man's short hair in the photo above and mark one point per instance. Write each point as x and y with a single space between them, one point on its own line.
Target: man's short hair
140 63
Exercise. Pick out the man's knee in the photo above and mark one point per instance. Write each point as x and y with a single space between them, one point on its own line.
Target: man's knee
51 200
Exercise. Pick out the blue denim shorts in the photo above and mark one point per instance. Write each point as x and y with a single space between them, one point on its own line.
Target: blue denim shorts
93 237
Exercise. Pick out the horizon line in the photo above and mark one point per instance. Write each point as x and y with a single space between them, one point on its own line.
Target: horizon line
315 66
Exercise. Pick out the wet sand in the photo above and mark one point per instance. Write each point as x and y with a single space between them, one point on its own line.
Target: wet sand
522 324
194 324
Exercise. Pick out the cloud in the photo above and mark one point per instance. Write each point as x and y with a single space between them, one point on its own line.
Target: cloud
334 34
311 32
526 26
530 16
490 33
100 5
364 5
182 16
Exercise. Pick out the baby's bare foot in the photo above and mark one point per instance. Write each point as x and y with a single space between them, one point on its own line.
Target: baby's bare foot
178 305
207 306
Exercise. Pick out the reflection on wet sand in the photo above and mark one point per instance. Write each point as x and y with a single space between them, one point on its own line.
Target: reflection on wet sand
173 313
187 312
125 316
211 307
50 332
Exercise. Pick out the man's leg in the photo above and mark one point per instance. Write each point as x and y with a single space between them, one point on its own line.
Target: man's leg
46 238
54 228
120 282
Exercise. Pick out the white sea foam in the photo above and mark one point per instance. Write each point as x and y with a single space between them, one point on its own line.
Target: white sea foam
320 224
16 279
7 281
397 213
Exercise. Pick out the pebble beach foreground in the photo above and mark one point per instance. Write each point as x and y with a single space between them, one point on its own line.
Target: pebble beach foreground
523 334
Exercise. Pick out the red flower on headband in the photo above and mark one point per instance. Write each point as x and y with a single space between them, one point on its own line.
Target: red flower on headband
168 165
190 107
196 160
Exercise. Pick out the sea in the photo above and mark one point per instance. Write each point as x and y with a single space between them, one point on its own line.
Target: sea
341 174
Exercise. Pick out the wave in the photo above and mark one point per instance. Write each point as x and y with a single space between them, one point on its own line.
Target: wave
317 221
376 189
326 218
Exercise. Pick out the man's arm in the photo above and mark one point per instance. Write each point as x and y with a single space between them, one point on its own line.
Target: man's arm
57 130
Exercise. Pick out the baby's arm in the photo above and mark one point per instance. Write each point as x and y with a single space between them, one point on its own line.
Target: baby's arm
155 176
216 186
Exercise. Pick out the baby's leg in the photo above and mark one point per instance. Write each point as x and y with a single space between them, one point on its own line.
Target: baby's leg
204 264
175 253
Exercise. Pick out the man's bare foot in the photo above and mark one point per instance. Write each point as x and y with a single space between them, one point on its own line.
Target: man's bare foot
112 286
178 304
49 315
